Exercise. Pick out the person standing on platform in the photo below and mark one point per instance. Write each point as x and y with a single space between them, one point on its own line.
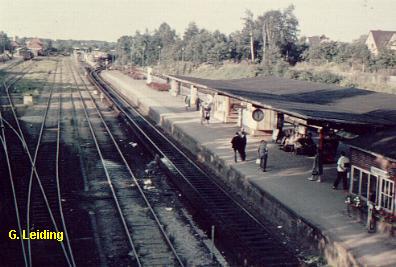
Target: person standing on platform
187 102
243 145
205 112
236 145
342 170
198 104
317 168
263 155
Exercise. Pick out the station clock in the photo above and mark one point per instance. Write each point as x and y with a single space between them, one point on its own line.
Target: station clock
258 115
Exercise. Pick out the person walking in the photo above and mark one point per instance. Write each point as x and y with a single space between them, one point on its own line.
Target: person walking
207 110
342 170
317 168
187 102
205 113
202 114
236 145
243 145
263 155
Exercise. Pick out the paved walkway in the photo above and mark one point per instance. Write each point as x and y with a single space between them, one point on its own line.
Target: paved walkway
286 178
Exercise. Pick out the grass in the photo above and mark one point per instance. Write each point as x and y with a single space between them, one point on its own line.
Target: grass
351 76
34 81
331 73
226 71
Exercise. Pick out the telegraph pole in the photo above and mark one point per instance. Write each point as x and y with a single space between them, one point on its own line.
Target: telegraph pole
159 55
251 46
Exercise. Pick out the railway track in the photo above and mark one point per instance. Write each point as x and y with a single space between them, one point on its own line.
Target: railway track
239 232
42 212
47 188
11 188
147 239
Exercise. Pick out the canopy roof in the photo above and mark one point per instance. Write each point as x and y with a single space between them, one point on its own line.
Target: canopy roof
307 100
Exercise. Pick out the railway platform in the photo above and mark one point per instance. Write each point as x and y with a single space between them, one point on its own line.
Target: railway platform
307 211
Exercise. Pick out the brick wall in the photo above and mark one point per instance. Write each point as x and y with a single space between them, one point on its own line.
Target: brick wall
365 160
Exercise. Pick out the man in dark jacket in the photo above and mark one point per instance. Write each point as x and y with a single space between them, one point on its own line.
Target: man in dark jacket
242 151
236 142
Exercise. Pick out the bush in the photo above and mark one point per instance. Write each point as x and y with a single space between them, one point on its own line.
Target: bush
306 75
292 74
327 77
159 86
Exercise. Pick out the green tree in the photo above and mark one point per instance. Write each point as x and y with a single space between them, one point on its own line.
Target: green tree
278 34
386 59
5 43
324 52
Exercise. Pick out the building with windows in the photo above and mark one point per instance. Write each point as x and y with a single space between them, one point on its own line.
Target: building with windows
373 170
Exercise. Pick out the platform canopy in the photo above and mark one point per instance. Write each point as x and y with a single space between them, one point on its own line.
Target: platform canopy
382 142
312 101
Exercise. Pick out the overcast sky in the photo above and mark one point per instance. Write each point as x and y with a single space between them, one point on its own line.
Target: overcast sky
342 20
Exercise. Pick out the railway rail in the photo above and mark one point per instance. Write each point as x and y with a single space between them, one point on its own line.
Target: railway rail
43 194
146 236
240 232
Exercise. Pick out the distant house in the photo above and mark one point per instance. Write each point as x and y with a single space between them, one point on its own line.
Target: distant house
317 40
36 46
378 40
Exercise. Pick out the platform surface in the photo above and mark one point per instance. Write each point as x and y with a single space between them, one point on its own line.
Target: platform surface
285 179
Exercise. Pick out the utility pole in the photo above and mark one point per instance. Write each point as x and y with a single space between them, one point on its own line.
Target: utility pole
143 52
159 55
131 55
251 46
264 42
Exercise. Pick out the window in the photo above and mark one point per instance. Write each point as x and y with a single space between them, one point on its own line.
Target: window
386 196
364 184
355 180
373 194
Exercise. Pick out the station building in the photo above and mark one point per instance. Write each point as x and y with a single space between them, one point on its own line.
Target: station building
373 171
365 119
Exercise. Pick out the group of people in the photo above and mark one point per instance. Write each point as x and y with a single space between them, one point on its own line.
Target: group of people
343 165
299 143
238 143
205 107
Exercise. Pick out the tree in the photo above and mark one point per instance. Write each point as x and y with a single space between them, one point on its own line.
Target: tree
386 59
164 39
249 29
191 31
237 44
324 52
5 43
278 33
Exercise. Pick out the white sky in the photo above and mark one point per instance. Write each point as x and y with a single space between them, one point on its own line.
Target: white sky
343 20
